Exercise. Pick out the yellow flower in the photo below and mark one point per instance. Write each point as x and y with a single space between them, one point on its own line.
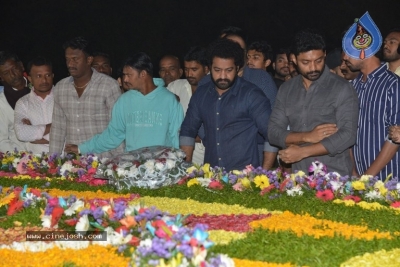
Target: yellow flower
192 182
381 187
261 181
191 169
95 164
236 172
6 200
245 182
358 185
206 170
365 178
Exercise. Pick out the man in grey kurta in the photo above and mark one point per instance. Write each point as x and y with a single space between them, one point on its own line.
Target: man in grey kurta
320 108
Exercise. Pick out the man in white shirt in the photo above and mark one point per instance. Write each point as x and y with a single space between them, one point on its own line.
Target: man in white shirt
33 112
196 67
15 87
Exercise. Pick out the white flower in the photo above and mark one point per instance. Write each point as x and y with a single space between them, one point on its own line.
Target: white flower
180 154
336 185
295 191
131 208
83 224
204 181
373 195
74 207
121 172
170 163
147 243
67 166
226 261
108 172
116 238
46 221
149 165
15 162
159 166
45 163
133 171
365 178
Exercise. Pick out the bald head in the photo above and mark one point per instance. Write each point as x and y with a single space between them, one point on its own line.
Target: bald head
170 69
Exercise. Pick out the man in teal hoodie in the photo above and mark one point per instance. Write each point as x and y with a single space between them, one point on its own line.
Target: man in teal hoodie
146 115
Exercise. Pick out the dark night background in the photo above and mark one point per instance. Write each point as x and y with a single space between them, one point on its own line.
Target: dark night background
159 27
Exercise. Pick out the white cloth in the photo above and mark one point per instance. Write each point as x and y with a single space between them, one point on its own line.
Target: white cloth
183 90
39 111
8 139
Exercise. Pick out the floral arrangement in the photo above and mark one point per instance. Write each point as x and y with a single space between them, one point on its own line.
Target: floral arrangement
77 168
326 185
150 236
149 167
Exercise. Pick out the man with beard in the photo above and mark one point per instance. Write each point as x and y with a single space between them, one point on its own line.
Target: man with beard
320 108
378 91
33 112
195 67
391 50
281 67
231 109
15 87
83 101
347 73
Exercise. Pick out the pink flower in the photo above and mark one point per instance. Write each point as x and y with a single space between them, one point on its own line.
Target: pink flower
238 187
91 171
53 201
325 195
395 204
356 199
216 185
267 189
21 167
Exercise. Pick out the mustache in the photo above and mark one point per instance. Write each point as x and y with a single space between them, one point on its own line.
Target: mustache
314 72
222 80
71 68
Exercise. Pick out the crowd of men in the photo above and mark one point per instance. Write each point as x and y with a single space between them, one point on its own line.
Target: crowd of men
342 109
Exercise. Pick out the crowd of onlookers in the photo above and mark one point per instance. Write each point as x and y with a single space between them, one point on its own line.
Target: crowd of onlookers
229 110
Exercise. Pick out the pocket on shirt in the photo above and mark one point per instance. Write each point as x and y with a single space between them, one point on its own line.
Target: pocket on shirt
328 114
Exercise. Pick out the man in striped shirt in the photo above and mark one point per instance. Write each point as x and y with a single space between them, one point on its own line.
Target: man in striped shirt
378 91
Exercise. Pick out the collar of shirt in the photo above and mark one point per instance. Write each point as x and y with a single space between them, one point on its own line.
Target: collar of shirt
33 93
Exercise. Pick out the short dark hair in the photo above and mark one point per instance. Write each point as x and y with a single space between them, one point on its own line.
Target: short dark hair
281 51
233 30
262 47
6 55
140 61
226 48
79 43
393 30
307 40
198 54
102 54
38 61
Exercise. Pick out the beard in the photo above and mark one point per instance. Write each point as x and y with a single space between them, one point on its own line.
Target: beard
223 84
313 75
